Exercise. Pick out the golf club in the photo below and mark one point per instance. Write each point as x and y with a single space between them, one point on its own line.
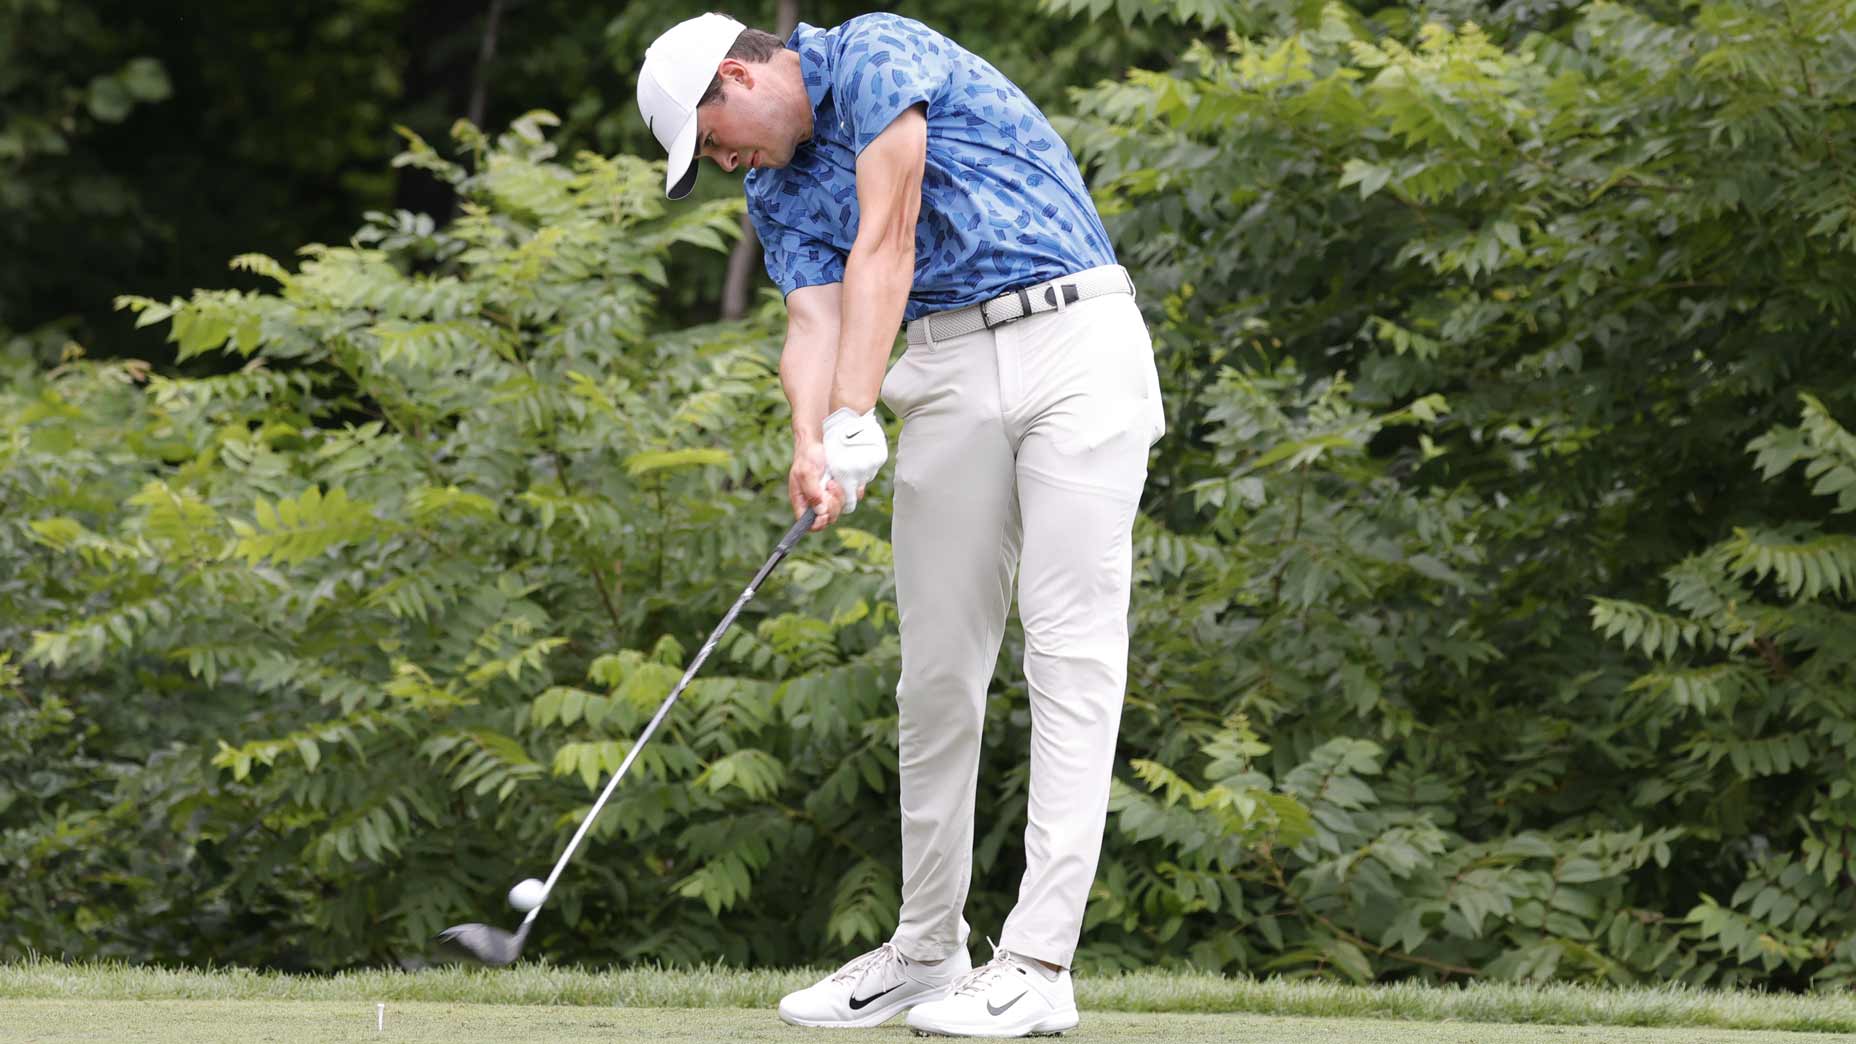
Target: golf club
495 946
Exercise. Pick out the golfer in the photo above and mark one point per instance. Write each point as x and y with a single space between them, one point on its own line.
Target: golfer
894 176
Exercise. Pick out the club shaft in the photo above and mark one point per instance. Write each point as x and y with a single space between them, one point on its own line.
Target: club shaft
780 552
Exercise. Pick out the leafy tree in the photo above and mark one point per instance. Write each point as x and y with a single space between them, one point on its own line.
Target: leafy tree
1465 315
1618 249
66 76
1752 689
374 563
146 142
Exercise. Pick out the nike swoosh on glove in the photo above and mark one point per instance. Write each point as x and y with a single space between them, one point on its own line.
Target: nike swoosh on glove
855 449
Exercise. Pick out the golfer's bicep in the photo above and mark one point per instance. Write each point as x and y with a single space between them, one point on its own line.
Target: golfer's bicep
889 183
812 313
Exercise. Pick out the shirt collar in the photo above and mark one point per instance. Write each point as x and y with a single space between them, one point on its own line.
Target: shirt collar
811 44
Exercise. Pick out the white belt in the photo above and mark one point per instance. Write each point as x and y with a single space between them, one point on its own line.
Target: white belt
1051 296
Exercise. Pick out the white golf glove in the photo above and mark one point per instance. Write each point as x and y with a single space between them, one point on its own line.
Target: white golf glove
855 449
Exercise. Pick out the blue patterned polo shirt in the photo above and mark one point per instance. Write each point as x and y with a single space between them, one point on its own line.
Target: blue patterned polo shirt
1003 204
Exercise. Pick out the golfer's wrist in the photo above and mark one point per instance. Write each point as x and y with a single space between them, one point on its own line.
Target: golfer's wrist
843 419
852 395
857 406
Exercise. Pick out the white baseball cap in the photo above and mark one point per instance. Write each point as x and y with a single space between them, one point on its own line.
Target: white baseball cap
678 68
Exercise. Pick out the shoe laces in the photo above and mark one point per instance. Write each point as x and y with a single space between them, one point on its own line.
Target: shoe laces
859 966
980 979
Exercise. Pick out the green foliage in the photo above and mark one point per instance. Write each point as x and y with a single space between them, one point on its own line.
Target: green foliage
68 78
1500 297
1333 601
138 151
140 148
1750 691
1464 316
1223 13
417 573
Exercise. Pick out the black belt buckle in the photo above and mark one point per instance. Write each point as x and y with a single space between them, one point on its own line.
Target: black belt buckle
1024 303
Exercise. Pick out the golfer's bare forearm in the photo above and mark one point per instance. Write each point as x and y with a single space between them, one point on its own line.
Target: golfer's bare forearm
881 269
876 286
809 359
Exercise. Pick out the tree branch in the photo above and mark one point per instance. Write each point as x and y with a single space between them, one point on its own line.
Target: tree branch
486 53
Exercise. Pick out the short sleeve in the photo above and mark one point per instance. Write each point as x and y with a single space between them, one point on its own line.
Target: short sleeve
795 259
887 64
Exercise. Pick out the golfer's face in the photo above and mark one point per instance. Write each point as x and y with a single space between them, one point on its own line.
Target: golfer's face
735 132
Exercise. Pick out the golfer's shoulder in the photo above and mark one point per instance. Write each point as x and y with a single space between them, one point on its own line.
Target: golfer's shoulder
882 37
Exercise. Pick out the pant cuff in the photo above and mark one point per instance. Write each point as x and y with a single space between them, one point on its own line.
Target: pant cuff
1039 949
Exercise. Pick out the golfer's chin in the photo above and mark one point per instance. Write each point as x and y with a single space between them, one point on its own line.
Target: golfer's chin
779 159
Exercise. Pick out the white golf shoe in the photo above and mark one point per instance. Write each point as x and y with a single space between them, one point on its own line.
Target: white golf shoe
1009 996
871 989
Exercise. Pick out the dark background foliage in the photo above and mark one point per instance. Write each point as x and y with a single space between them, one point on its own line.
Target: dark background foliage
1492 611
256 127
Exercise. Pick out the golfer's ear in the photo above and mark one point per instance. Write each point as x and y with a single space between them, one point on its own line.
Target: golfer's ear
736 70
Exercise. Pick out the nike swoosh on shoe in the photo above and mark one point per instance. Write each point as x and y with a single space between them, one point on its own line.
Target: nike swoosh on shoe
859 1005
1000 1010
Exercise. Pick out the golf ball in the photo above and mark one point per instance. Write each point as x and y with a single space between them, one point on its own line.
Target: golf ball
528 894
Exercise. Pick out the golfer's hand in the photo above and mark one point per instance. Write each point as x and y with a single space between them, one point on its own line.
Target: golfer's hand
808 485
855 449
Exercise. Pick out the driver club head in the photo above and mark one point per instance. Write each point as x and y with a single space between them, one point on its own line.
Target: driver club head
484 944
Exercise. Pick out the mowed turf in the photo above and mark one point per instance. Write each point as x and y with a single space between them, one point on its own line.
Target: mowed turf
290 1022
1158 992
44 1000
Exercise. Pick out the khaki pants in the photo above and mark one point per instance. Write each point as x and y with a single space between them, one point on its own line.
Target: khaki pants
1023 451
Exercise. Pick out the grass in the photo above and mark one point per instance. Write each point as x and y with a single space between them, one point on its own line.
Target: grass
174 1021
1171 993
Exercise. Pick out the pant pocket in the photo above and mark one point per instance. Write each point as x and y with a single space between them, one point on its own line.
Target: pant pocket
895 392
1116 386
1155 406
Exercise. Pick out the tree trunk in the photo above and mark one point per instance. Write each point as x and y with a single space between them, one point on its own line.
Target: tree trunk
746 256
441 83
486 53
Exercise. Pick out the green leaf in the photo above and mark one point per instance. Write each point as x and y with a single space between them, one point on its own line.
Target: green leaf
660 460
108 99
1369 176
145 80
